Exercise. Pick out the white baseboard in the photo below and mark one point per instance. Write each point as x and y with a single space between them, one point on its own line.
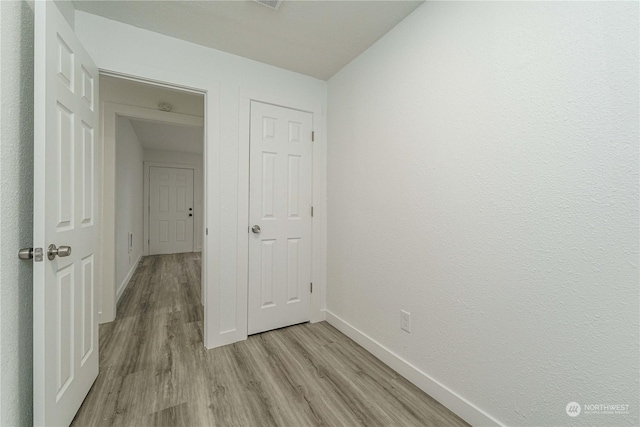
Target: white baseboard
126 280
454 402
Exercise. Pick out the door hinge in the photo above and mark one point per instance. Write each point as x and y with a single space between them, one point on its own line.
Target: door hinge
311 211
313 136
206 231
311 287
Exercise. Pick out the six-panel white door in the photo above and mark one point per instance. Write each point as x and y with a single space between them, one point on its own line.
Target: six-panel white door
280 217
170 210
66 200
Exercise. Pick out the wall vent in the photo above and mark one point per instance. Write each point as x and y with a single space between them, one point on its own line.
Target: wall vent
271 4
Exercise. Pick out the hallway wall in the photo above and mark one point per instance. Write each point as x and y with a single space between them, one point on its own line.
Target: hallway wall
16 211
129 198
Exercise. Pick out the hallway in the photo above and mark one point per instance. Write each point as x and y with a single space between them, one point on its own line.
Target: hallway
154 369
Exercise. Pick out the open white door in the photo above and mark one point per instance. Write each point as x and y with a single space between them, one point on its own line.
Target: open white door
66 200
280 217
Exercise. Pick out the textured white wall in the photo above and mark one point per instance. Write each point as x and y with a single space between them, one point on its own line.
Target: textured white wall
16 211
195 160
483 175
129 200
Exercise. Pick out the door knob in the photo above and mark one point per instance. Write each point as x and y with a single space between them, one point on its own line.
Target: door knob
30 253
190 214
62 251
256 229
25 253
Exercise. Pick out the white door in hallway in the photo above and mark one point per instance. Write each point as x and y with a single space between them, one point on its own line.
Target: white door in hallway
67 159
279 217
170 210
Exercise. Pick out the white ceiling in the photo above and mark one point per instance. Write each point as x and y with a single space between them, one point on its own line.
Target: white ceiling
164 136
130 92
313 37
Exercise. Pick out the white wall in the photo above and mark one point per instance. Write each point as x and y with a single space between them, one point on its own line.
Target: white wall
483 175
195 160
16 211
129 202
227 79
67 10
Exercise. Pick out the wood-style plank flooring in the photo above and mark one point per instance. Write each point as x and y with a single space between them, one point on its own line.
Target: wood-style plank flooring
155 371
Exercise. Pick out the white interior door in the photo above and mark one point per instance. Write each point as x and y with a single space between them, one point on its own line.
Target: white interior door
170 210
66 200
279 217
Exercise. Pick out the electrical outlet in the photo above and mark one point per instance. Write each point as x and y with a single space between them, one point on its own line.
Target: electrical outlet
405 321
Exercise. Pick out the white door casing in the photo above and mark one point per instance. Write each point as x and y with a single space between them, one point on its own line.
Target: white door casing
170 210
280 205
66 202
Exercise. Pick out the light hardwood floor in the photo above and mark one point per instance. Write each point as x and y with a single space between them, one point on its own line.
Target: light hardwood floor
155 371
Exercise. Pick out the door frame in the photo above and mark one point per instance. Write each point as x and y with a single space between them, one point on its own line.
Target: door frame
146 194
109 111
318 189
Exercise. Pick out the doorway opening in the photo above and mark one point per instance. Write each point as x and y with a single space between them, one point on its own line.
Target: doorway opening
153 175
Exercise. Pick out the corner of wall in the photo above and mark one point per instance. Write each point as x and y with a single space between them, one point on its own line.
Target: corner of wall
125 282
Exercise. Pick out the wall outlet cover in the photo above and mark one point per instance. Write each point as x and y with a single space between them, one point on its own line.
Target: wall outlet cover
405 321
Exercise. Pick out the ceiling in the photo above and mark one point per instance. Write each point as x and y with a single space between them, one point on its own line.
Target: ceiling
139 94
164 136
313 37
